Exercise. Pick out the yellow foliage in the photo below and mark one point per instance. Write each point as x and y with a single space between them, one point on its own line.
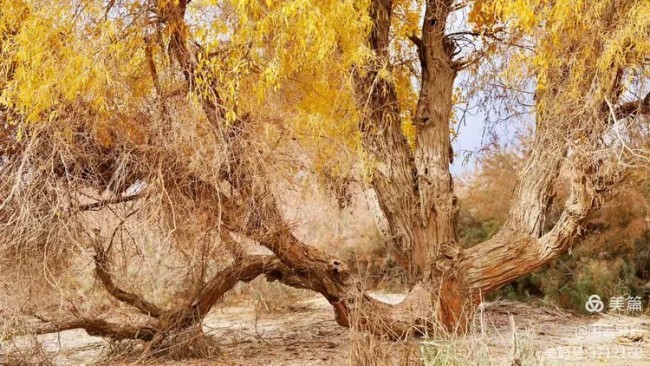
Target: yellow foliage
581 48
286 60
54 60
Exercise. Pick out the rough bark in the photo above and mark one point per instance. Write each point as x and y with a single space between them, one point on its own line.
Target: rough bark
436 221
381 126
515 250
415 188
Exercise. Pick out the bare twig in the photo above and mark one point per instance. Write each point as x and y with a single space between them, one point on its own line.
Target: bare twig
94 206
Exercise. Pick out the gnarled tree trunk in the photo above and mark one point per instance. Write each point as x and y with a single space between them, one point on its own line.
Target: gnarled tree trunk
415 188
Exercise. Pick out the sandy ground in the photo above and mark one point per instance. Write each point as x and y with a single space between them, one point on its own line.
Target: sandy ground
306 334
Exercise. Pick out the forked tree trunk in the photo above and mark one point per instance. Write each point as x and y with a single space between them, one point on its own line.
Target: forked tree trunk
415 187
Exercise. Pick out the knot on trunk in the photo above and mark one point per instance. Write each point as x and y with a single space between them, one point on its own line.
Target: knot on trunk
448 257
339 270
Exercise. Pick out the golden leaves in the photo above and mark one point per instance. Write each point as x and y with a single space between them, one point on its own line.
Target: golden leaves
579 48
59 59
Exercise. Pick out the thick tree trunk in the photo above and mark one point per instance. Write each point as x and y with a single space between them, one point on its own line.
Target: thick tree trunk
381 126
435 223
416 193
415 188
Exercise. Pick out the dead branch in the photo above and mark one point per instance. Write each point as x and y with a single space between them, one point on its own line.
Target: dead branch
635 108
103 275
94 206
98 327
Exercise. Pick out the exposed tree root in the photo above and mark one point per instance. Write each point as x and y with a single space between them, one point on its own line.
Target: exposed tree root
168 324
98 327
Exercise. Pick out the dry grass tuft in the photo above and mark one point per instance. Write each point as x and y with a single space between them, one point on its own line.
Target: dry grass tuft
30 352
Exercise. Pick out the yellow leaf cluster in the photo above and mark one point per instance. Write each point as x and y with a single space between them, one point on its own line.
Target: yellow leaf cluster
580 49
55 60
